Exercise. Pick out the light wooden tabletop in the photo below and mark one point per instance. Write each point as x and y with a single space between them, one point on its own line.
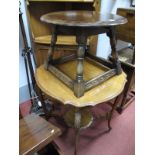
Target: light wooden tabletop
54 88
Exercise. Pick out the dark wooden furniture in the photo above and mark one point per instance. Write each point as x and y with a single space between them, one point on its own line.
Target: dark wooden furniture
41 32
81 24
78 110
129 69
35 133
127 33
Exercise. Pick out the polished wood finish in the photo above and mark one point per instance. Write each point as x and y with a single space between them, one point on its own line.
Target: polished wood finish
85 121
82 24
35 133
91 70
55 89
83 19
37 9
79 116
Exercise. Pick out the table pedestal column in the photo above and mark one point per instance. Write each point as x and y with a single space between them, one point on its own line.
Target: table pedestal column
78 118
79 84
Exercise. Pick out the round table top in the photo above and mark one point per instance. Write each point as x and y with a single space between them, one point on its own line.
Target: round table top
55 89
83 19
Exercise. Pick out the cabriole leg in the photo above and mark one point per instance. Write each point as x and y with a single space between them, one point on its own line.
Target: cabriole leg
111 112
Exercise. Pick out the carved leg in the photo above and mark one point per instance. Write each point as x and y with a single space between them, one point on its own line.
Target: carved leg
114 53
79 86
77 124
51 49
111 113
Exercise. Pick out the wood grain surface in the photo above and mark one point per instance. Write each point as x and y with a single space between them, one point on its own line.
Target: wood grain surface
35 133
62 40
83 19
55 89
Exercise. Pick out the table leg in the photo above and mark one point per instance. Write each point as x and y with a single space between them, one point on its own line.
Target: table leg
51 49
127 88
111 113
77 124
114 53
79 85
78 118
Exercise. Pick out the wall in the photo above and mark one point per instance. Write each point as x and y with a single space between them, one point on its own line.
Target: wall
109 6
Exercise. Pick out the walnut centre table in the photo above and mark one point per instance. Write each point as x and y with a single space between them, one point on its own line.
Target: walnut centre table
80 116
82 24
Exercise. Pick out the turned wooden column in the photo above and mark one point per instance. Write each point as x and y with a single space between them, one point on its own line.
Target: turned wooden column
79 84
77 125
115 59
